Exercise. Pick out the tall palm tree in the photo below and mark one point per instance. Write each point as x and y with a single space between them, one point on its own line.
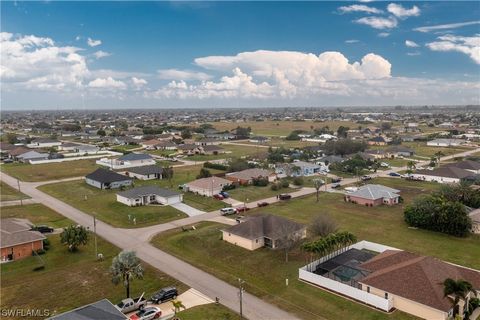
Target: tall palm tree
411 166
318 183
126 267
456 290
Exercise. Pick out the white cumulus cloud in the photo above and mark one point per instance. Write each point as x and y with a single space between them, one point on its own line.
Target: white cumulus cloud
107 83
378 22
383 34
400 12
411 44
446 26
359 8
466 45
176 74
138 82
93 43
101 54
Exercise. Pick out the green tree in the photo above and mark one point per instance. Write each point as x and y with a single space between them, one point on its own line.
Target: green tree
186 134
204 173
342 132
177 305
125 268
293 136
101 133
411 166
317 184
457 290
74 236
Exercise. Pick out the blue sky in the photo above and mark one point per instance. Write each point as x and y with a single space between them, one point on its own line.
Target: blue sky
164 54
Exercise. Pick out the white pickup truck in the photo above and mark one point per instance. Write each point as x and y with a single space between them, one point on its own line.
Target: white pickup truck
129 304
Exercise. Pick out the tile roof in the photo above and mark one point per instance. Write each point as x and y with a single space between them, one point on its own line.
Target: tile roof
466 165
99 310
106 176
415 277
135 156
270 226
146 169
210 182
447 172
148 190
249 174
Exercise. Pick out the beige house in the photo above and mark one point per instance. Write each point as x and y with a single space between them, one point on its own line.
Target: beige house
207 186
264 231
414 283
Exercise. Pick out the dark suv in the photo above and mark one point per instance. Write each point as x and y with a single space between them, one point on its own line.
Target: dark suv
42 229
164 294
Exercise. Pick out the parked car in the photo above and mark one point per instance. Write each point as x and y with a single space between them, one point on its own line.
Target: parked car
224 194
284 196
384 165
336 180
262 204
164 294
218 196
42 229
336 185
394 174
242 209
351 189
227 211
147 314
366 178
129 304
7 161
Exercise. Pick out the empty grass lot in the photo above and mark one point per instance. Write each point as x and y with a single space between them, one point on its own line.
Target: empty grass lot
49 171
208 311
202 203
254 193
37 214
265 270
69 280
421 149
8 193
233 151
103 204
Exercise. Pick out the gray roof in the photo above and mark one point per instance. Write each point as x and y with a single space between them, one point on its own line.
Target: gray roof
146 169
375 191
466 165
135 156
303 164
32 155
148 190
99 310
270 226
446 172
106 176
15 231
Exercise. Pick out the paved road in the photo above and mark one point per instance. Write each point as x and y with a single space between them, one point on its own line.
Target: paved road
253 307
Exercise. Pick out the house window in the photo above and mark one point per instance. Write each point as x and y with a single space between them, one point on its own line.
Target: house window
256 240
368 289
386 295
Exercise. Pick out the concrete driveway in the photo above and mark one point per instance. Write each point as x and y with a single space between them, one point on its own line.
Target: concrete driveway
188 210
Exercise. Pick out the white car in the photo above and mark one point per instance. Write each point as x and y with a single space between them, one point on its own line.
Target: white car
227 211
351 189
147 314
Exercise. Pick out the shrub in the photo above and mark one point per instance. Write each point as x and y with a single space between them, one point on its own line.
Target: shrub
323 225
217 166
298 181
284 183
260 182
46 244
274 187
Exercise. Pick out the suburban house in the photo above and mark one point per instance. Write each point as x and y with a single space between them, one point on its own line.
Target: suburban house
400 151
99 310
106 179
145 172
207 142
68 146
189 149
44 143
212 149
374 195
469 165
247 176
377 141
259 139
388 278
443 174
373 154
166 145
475 216
15 152
445 142
29 156
414 282
297 169
207 186
264 231
17 241
86 148
145 195
150 144
127 161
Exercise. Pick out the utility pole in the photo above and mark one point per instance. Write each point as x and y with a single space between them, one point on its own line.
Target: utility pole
21 198
95 235
240 294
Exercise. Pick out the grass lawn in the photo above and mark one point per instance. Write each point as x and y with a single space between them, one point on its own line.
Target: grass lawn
281 128
49 171
8 193
208 311
395 162
69 280
281 142
265 270
253 193
37 213
104 204
233 151
421 149
202 203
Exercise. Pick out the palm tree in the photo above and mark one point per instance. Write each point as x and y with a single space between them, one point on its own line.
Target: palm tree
456 290
318 183
411 166
177 305
126 267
